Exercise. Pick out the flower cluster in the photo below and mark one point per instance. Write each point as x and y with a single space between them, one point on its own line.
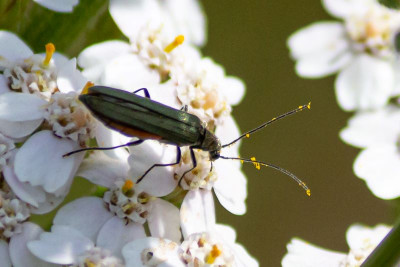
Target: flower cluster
362 49
168 217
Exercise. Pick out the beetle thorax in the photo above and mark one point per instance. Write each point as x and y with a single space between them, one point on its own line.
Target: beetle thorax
211 143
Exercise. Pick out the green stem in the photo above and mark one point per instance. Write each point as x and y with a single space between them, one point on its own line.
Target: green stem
387 253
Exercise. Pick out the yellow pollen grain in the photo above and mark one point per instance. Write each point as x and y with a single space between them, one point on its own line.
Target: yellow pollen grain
128 185
50 49
247 135
178 41
256 164
308 192
309 105
214 253
89 263
273 119
85 89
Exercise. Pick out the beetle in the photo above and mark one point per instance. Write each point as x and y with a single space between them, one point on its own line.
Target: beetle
137 116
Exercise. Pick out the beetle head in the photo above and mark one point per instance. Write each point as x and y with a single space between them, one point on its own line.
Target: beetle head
212 144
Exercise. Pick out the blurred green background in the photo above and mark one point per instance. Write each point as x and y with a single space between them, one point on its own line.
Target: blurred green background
249 39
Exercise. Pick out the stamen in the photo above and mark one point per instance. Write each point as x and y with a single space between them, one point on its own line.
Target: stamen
50 49
85 89
247 135
309 105
214 253
127 188
178 41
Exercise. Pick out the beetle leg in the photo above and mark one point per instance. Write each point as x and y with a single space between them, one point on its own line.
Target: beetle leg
134 143
194 164
185 108
146 92
178 159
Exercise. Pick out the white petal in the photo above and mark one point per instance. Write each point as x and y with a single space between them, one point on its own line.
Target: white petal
131 16
70 79
188 19
302 254
116 233
159 181
128 72
370 128
102 53
345 8
163 250
233 88
366 83
39 161
19 253
58 5
19 129
4 88
21 107
379 166
62 246
4 254
86 214
102 170
163 220
110 138
197 212
25 191
51 202
231 187
12 48
227 132
226 232
321 49
357 235
243 258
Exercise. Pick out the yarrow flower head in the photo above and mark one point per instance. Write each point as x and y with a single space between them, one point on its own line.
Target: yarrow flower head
361 240
175 74
39 106
361 49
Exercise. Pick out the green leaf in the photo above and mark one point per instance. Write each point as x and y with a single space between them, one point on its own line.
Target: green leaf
395 4
89 23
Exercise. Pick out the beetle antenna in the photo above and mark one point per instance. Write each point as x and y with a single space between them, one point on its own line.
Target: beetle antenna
247 134
257 164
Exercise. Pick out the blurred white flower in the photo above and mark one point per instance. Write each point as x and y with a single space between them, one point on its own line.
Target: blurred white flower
361 240
378 134
175 17
361 49
64 6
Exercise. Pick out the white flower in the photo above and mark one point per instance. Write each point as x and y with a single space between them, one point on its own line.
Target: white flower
205 242
361 49
42 90
15 231
174 16
68 246
64 6
378 134
6 146
15 252
361 240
